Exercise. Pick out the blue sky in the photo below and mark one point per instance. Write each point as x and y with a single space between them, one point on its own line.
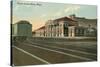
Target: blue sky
39 14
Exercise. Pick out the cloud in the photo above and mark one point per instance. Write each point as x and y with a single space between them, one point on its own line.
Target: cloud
71 9
43 15
59 13
16 7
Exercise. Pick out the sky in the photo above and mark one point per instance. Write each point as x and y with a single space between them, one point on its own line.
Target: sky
37 13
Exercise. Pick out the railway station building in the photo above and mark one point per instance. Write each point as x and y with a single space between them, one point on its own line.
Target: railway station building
71 26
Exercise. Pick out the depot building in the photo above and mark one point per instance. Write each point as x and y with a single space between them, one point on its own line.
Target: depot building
71 26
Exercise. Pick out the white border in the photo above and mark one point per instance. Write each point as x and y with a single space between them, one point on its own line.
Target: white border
5 33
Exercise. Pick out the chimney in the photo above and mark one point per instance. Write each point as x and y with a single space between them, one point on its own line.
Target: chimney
73 16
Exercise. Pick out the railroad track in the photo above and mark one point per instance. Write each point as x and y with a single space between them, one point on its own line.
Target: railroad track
49 54
71 52
88 49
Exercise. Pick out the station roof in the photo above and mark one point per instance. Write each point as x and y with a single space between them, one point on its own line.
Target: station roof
40 28
64 18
